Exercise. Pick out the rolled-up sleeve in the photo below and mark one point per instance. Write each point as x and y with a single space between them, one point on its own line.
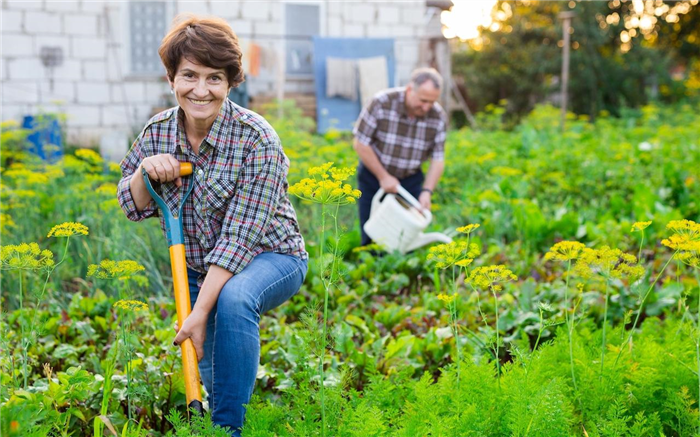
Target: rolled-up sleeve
129 165
259 185
367 123
438 153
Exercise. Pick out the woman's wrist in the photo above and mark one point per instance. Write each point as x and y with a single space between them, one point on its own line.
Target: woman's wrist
427 190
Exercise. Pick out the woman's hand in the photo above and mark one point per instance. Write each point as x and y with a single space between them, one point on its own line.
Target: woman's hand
163 168
195 328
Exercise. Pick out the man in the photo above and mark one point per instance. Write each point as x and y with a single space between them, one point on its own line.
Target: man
399 130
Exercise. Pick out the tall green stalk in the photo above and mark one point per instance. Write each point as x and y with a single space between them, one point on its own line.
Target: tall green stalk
605 325
570 327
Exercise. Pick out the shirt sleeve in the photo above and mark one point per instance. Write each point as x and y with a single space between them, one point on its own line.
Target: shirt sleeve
367 123
439 145
129 165
259 186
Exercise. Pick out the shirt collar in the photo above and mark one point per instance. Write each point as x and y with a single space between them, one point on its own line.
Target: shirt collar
217 132
402 103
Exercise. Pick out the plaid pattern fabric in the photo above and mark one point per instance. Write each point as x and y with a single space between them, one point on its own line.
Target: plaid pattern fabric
239 205
401 143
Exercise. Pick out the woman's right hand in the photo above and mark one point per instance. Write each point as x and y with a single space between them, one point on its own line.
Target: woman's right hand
163 168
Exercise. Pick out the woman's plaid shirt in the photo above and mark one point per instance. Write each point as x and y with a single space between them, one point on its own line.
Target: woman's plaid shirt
239 206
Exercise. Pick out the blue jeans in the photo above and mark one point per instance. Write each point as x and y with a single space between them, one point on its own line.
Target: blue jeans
232 346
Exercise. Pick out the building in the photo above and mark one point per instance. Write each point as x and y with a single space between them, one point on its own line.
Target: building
97 61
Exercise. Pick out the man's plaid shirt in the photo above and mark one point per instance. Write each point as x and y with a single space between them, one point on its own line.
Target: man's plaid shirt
401 143
239 206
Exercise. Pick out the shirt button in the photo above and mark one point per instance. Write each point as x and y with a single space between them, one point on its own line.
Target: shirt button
200 172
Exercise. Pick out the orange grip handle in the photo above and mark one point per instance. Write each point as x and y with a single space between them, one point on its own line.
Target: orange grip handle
190 368
185 168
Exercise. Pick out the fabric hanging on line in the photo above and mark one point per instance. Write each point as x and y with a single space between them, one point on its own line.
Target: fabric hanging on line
373 77
253 59
341 78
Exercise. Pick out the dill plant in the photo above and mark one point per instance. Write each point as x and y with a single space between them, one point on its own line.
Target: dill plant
31 258
123 272
326 187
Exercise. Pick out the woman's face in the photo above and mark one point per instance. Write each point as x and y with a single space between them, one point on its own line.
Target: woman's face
200 91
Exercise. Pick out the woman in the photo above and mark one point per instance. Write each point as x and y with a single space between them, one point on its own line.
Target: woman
244 251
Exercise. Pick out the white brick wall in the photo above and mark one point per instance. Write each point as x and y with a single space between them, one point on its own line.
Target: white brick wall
195 7
89 48
97 93
52 41
95 70
363 13
69 70
80 24
11 21
15 44
242 28
23 4
26 69
64 5
83 115
388 14
255 10
63 91
89 82
21 93
39 23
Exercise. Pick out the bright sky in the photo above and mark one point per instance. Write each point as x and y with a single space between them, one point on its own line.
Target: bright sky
465 18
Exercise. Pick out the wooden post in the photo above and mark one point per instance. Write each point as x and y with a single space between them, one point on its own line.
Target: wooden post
566 18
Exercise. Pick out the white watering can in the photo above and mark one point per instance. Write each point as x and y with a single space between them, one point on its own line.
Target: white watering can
398 221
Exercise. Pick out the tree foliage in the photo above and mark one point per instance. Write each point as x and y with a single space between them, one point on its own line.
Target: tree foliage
623 54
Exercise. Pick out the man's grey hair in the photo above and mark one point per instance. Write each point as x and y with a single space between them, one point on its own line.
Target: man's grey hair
422 75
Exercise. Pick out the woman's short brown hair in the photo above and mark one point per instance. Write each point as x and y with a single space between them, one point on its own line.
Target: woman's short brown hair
207 41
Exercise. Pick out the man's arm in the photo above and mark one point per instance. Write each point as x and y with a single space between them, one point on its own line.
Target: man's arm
431 180
370 160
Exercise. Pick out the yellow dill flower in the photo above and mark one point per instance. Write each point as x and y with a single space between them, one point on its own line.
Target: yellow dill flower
490 277
448 255
640 226
68 229
6 222
108 269
608 262
90 156
565 251
108 189
25 256
373 247
505 171
684 227
679 242
26 176
326 186
690 258
130 305
468 229
464 262
447 298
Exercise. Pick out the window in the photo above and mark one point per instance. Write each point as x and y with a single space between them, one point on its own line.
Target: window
301 22
146 27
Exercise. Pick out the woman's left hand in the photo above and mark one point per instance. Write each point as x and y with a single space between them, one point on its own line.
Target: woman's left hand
195 328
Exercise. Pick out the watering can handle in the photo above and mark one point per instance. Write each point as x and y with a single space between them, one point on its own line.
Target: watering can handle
376 200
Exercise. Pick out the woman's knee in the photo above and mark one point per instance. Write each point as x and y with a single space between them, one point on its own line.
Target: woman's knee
236 299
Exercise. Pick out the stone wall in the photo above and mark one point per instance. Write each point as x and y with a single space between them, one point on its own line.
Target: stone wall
93 85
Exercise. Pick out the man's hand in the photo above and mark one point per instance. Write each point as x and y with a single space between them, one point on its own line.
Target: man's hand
195 327
424 200
389 184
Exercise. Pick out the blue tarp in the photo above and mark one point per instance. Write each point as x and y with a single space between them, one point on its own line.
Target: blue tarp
336 112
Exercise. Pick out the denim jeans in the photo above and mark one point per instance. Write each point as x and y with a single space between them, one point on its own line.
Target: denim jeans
232 346
369 185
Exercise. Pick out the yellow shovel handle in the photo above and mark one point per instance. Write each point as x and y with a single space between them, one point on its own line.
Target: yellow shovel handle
183 304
